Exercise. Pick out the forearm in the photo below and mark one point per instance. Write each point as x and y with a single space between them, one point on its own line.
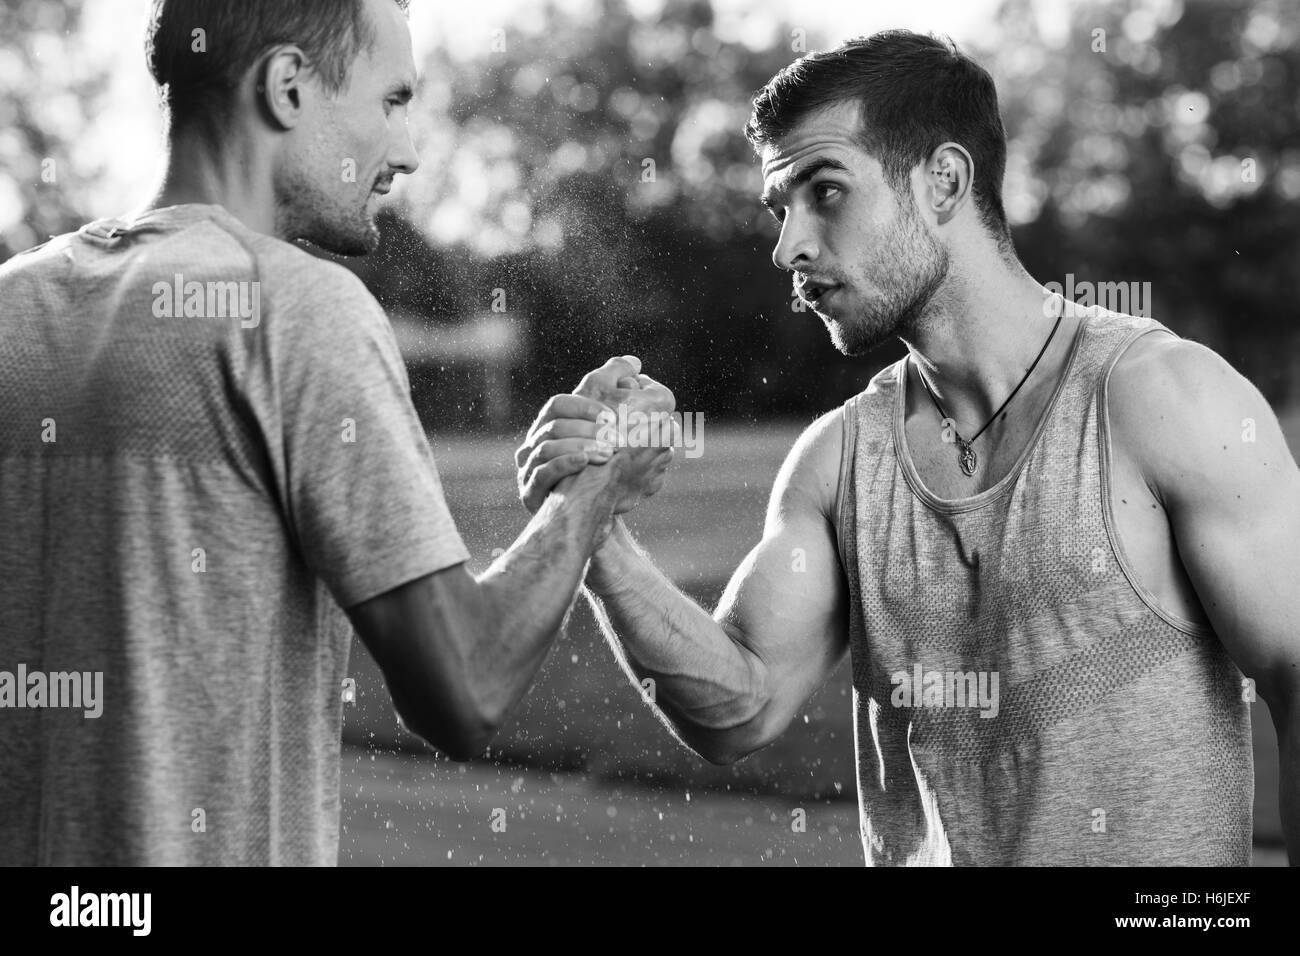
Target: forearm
526 593
711 687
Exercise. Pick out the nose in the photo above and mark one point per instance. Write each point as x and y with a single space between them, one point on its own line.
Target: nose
796 247
402 157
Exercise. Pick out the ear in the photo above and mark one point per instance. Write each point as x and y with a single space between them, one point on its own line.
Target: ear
280 85
949 173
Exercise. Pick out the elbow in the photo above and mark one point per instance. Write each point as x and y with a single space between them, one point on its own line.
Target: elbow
724 752
723 746
721 758
477 723
476 734
747 726
463 735
461 743
463 749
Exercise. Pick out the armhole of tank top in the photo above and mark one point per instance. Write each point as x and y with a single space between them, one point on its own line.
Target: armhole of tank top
844 498
1107 504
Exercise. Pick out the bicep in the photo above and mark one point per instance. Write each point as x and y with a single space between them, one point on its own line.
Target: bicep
787 603
1238 534
1215 453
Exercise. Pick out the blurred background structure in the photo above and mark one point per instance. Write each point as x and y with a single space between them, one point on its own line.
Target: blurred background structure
586 191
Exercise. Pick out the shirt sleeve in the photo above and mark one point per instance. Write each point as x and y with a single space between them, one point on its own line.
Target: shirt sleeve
359 486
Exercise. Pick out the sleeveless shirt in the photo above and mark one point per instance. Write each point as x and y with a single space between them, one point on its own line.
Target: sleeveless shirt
1020 698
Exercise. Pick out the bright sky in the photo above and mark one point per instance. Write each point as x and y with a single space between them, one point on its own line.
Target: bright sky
125 139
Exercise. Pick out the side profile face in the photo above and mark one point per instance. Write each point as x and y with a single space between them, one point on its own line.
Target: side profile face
860 255
351 145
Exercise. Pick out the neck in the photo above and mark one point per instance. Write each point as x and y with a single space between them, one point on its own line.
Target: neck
236 175
982 332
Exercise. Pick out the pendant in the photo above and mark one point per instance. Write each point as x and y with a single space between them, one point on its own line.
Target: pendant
966 458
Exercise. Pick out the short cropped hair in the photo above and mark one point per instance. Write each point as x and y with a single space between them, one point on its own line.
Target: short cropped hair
916 92
197 73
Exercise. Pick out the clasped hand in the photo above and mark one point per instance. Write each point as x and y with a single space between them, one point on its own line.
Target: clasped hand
615 418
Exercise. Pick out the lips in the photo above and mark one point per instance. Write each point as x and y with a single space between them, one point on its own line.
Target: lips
813 291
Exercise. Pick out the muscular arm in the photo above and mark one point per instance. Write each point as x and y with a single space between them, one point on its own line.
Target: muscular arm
1212 452
458 653
730 683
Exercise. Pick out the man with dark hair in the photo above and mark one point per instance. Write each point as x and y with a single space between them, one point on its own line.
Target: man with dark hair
908 86
1052 538
208 449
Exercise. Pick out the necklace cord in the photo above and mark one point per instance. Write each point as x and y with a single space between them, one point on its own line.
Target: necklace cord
993 418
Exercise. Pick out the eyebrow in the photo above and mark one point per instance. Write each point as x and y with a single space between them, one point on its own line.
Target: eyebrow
768 198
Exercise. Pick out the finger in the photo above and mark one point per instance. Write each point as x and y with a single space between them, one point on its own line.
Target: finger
597 382
654 395
572 406
558 428
550 450
630 363
563 428
548 476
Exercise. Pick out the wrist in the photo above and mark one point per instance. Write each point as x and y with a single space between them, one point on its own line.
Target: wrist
593 493
608 566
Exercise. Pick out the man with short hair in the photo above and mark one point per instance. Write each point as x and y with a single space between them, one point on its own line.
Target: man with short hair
208 449
1053 539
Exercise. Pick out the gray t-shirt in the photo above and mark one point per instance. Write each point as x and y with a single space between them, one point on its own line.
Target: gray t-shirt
207 448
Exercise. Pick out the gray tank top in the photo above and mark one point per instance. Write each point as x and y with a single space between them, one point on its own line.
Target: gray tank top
1019 697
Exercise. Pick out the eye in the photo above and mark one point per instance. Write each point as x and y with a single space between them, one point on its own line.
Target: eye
825 190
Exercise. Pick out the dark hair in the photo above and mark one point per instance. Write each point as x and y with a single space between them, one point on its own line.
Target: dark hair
916 92
196 85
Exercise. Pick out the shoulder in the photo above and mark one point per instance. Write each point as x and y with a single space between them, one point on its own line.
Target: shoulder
809 476
292 276
318 305
1162 380
811 472
34 260
1182 413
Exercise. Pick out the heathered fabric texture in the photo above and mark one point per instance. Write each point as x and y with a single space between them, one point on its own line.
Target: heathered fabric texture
192 531
1121 736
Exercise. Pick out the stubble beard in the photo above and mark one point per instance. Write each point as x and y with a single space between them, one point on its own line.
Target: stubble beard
307 212
916 268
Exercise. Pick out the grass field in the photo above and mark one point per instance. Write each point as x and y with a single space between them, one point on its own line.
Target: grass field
583 773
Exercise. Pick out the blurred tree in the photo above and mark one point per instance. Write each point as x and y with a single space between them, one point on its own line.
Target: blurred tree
1155 141
589 163
44 107
595 169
